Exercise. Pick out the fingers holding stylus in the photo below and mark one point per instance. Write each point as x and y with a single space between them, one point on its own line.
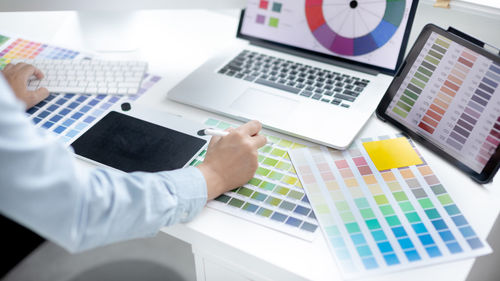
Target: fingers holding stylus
252 129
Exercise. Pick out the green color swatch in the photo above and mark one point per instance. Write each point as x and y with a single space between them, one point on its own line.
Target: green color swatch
273 22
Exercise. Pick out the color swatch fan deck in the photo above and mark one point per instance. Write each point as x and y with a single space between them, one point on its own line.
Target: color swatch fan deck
378 221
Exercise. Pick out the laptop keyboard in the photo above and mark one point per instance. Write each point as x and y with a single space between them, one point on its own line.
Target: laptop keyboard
296 78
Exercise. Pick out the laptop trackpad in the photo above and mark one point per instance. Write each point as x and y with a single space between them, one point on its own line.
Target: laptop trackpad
261 104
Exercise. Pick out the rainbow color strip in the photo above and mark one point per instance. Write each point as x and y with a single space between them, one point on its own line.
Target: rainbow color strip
274 197
66 115
382 221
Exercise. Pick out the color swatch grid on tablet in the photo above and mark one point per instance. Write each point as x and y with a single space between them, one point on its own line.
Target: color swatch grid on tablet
274 197
64 114
379 221
452 95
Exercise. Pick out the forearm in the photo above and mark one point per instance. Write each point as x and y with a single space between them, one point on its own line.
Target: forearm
43 188
84 208
121 206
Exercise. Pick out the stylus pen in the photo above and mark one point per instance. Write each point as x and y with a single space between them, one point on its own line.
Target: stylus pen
218 133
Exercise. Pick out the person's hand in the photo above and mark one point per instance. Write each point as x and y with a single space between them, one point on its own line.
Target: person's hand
231 161
17 76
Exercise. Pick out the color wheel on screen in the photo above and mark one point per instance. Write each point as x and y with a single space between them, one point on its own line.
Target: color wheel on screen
354 27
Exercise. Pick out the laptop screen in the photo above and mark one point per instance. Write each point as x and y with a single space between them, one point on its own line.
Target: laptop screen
372 33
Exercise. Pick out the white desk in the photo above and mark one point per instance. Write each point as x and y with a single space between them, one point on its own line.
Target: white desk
229 248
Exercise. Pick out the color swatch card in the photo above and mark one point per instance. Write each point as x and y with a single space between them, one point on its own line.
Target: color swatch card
64 114
382 212
274 197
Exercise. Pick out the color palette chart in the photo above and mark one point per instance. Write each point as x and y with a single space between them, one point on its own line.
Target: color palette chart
353 29
274 197
64 114
382 221
268 13
452 96
369 32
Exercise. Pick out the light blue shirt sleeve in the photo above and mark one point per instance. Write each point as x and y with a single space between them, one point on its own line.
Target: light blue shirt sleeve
43 188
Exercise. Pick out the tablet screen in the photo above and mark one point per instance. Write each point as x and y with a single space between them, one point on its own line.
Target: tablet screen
451 96
130 144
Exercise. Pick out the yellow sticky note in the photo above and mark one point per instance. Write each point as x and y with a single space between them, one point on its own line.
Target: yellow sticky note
392 153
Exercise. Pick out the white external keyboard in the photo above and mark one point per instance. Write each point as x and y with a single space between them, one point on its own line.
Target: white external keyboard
88 76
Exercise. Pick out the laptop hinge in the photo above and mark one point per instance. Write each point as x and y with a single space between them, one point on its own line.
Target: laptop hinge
315 57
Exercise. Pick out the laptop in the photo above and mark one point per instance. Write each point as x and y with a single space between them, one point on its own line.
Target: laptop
312 69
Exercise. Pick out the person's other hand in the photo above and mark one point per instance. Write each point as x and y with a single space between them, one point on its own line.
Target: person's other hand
231 161
17 76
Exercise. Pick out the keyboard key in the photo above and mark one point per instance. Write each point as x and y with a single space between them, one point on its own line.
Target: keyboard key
336 101
306 93
317 96
233 67
351 93
249 78
345 97
277 86
360 84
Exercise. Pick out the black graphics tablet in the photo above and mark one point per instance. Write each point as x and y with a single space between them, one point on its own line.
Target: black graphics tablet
133 142
446 95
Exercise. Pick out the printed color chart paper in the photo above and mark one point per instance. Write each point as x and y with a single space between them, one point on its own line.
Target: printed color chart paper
64 114
274 197
381 221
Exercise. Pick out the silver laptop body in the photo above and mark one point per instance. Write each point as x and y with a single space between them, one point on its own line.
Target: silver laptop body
316 120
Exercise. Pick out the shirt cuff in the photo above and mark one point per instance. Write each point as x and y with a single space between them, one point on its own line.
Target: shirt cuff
191 191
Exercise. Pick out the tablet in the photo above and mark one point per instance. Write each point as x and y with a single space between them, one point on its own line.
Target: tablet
446 95
140 140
